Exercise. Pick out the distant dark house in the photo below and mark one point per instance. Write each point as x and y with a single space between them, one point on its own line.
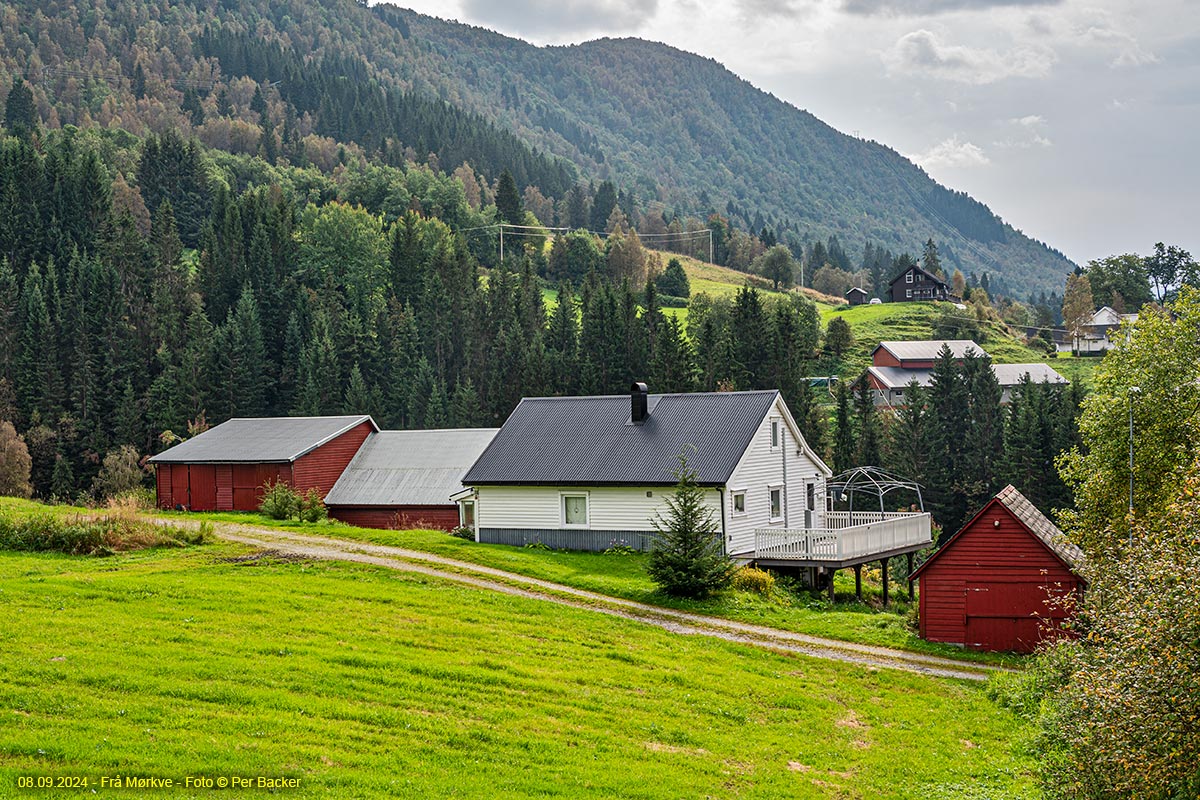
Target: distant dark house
856 296
405 479
999 583
917 284
224 468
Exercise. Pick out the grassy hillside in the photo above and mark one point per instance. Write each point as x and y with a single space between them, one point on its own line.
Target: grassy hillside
225 662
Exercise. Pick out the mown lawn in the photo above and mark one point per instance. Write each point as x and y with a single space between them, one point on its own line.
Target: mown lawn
625 576
364 682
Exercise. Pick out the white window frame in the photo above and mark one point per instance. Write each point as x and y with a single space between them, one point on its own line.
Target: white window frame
733 495
587 510
462 513
771 490
908 294
908 276
776 433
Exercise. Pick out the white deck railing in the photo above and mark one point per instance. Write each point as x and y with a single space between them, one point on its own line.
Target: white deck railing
843 537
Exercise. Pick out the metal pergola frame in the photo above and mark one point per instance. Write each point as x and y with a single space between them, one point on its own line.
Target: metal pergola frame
873 481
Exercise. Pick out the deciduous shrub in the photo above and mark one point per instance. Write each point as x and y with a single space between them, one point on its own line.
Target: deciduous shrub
463 532
752 579
15 464
120 472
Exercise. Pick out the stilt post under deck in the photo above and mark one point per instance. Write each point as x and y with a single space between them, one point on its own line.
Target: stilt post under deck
832 572
883 568
911 595
858 581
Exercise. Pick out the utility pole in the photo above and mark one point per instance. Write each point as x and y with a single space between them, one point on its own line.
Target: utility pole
502 243
710 247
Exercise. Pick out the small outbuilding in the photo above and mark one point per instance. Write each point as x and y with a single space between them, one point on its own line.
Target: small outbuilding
1000 583
405 479
225 468
856 296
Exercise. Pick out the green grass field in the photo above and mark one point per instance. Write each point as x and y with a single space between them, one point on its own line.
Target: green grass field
363 682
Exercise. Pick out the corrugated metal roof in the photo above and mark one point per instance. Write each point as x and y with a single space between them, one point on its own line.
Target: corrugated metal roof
414 468
929 349
1041 527
260 440
1007 375
1011 374
590 441
899 377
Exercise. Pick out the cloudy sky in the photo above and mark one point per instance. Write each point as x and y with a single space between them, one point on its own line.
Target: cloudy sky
1076 121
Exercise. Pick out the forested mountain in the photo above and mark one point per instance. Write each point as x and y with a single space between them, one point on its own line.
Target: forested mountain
677 133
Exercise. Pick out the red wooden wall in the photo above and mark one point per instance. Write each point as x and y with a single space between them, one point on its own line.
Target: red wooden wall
988 588
322 467
238 487
398 517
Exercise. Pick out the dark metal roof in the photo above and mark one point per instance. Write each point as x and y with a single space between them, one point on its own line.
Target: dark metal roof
591 441
409 468
260 440
928 275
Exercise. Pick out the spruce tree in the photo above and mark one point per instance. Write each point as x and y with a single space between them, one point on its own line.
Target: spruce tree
843 444
867 420
508 200
688 557
562 343
20 113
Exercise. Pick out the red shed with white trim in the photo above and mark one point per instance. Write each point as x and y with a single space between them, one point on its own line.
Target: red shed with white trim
996 584
224 468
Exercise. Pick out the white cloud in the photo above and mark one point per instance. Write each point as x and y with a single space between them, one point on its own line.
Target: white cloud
1024 133
920 52
562 18
953 153
929 7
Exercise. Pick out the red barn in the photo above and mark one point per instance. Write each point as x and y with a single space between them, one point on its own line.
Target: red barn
224 468
990 587
404 479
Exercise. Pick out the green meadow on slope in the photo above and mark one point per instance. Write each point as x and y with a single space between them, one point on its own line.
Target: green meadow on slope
365 682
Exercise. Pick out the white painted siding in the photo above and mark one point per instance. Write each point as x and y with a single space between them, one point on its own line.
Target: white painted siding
761 468
615 508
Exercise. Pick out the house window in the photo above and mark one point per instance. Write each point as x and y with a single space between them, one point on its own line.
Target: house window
908 293
774 434
811 497
908 277
574 510
739 502
776 503
466 513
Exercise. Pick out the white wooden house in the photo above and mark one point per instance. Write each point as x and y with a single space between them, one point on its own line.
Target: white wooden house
590 473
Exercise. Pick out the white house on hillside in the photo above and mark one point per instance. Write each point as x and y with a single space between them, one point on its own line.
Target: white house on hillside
588 473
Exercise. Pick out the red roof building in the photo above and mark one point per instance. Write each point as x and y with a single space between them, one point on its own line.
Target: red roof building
1000 583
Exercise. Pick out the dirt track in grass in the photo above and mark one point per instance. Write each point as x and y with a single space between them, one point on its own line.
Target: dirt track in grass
284 544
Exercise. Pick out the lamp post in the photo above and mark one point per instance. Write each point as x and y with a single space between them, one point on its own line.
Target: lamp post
1129 394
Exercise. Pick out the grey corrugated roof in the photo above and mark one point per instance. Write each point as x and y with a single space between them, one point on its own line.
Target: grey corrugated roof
409 468
1007 375
260 440
590 441
929 349
1045 530
1011 374
899 377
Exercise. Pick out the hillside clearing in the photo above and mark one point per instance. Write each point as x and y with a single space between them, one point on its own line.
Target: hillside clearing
367 682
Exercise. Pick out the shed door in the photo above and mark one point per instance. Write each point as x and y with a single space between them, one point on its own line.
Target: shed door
202 481
179 486
1009 616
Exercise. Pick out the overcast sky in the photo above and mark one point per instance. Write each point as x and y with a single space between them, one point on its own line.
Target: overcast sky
1078 122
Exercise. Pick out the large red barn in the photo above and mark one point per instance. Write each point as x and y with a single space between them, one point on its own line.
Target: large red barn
995 584
224 468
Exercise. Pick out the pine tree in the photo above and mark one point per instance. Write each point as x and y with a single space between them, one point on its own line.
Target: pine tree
562 343
909 436
139 81
948 404
843 444
867 421
20 113
62 480
466 409
688 558
508 200
602 206
241 362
